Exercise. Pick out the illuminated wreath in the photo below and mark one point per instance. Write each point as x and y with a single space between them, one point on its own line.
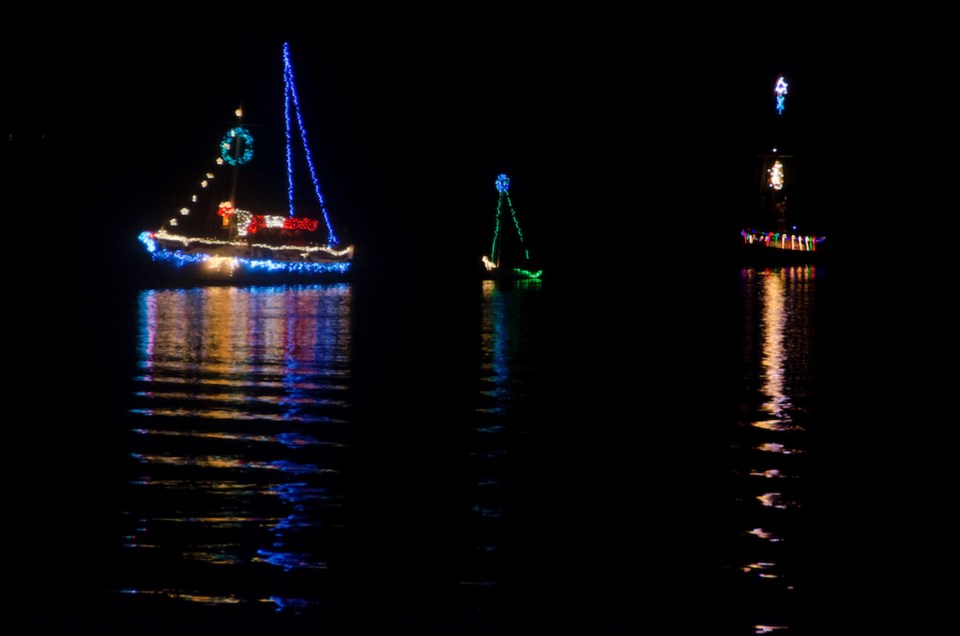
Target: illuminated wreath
245 141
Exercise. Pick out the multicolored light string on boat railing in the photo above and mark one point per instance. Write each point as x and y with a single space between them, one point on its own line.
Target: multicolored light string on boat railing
781 240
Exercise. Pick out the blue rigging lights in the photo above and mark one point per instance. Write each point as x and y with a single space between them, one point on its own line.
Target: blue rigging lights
290 97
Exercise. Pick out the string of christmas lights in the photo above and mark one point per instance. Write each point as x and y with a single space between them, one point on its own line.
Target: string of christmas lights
290 97
230 263
776 175
780 90
491 262
243 140
782 240
239 251
151 237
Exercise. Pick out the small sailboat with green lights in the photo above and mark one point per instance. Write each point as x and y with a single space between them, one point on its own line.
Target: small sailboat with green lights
509 257
247 245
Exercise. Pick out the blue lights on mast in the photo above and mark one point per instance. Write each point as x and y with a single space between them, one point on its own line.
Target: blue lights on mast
290 97
781 92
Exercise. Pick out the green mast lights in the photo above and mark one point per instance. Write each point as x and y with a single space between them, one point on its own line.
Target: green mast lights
492 262
503 187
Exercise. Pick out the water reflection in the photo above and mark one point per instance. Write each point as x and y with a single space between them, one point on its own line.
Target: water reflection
240 414
508 339
506 329
777 371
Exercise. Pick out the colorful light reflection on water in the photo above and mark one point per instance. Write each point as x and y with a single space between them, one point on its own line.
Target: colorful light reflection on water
509 321
240 414
778 367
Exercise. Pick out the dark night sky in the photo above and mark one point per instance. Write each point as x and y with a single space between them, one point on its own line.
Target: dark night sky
648 127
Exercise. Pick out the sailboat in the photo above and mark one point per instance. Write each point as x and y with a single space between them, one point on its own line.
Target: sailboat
250 244
776 238
509 256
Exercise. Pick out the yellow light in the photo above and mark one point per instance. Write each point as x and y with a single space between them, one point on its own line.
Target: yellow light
222 263
776 176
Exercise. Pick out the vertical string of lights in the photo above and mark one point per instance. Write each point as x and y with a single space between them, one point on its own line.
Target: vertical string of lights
290 97
503 187
776 175
502 184
776 172
781 92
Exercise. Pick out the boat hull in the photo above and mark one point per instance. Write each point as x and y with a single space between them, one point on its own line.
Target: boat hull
236 263
781 248
511 273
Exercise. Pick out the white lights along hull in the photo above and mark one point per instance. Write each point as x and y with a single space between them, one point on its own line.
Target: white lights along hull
204 259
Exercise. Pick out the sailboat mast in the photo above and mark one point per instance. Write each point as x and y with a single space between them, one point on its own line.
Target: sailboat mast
495 248
502 184
236 164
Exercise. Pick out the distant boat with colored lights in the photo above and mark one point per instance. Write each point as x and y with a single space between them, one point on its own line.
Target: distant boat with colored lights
787 246
778 241
243 245
509 257
774 238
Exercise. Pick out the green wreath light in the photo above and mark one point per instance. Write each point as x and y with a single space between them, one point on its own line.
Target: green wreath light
246 145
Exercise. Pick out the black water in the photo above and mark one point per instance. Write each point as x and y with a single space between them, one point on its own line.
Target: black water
653 456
